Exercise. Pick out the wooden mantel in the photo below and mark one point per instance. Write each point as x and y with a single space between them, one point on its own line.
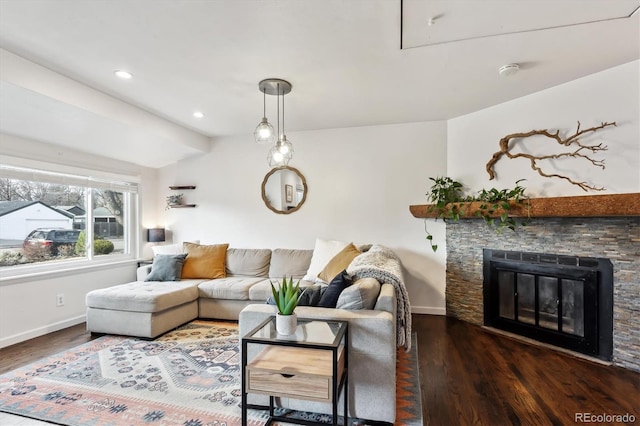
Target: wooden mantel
580 206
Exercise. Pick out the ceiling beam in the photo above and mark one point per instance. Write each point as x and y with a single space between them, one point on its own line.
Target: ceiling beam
36 78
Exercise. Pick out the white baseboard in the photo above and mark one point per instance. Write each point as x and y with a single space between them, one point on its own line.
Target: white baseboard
41 331
428 310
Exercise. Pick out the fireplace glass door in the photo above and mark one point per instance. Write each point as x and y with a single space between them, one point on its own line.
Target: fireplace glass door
558 302
573 307
547 303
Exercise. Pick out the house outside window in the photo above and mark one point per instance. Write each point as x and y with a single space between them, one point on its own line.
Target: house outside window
44 219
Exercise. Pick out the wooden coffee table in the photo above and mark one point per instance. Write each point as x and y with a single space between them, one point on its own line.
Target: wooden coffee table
311 364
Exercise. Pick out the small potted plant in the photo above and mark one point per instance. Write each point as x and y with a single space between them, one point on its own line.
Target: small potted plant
286 299
174 200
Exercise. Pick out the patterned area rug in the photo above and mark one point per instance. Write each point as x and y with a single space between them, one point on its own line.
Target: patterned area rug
408 394
190 377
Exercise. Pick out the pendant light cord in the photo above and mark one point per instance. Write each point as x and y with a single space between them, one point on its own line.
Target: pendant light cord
283 132
264 102
278 97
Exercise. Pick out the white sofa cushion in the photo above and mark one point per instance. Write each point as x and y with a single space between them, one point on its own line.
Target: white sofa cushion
249 262
152 296
289 263
230 288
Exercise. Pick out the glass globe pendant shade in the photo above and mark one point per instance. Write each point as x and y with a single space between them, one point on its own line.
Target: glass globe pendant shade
284 146
264 133
280 154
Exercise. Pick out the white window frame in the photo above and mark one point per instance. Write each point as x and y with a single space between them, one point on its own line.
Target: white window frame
25 169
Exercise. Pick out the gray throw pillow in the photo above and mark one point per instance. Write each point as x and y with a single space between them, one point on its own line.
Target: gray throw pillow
310 295
362 294
166 267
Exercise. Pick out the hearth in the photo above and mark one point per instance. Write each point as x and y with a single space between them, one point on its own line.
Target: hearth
566 301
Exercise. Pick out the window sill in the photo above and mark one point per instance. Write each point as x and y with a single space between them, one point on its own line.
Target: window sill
41 272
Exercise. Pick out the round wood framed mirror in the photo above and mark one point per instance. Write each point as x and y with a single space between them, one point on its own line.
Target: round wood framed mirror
284 190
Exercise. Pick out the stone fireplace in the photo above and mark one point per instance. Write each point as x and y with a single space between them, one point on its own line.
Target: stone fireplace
614 238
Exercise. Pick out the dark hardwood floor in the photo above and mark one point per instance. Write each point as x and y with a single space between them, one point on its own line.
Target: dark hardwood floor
468 376
471 376
29 351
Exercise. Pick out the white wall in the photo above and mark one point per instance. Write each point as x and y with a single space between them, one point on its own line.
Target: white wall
28 305
361 183
611 95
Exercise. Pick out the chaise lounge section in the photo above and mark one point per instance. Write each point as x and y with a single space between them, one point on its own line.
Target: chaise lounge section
142 309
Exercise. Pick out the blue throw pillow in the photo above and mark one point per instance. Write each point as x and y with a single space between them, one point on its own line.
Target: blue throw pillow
166 267
330 296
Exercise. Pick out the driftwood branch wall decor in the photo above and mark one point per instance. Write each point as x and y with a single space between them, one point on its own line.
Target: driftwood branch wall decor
579 150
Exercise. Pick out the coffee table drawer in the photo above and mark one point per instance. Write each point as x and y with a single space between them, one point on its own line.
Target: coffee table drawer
295 386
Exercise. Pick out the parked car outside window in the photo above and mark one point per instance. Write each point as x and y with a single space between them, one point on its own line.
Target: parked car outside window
50 241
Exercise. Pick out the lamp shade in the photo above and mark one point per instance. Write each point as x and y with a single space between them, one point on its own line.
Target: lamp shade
155 235
264 133
281 153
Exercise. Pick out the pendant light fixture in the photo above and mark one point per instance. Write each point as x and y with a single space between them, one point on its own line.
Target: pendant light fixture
282 151
264 133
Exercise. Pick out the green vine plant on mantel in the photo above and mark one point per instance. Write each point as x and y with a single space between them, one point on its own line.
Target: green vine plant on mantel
450 203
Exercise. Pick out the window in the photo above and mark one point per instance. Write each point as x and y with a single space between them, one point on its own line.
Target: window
50 218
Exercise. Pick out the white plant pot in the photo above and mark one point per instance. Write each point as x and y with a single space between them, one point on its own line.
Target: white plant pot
286 324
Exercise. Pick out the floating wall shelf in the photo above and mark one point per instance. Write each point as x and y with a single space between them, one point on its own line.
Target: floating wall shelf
181 187
580 206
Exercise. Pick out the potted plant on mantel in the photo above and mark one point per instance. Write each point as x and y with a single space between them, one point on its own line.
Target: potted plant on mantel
286 299
498 208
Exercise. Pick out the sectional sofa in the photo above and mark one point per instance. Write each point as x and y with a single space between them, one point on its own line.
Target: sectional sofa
150 308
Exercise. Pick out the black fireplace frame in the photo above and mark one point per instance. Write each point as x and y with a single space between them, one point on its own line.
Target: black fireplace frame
595 273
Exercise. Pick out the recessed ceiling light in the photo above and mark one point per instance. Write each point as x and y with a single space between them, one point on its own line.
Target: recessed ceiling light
198 114
123 74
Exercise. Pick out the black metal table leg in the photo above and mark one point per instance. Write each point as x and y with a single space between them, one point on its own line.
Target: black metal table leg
244 384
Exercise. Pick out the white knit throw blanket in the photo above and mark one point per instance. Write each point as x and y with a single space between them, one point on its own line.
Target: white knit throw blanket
382 264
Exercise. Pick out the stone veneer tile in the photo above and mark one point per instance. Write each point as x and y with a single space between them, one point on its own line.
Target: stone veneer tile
616 238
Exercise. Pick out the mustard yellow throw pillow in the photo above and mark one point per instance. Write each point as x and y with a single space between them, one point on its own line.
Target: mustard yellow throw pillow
205 261
338 263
